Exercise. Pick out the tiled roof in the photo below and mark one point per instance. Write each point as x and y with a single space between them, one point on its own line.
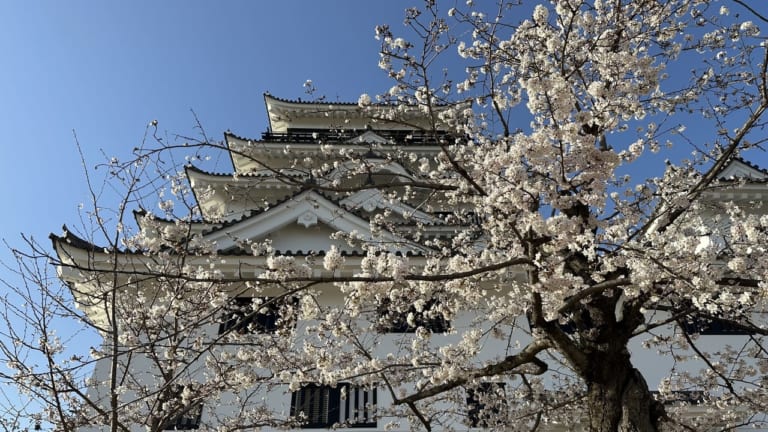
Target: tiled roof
233 135
326 194
245 174
141 213
310 102
751 165
744 180
255 212
190 167
328 102
70 238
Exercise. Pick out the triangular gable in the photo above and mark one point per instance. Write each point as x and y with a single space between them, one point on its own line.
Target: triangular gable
372 199
378 166
306 209
738 168
266 178
368 137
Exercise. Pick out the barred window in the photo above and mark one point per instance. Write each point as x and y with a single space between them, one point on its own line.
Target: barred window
324 406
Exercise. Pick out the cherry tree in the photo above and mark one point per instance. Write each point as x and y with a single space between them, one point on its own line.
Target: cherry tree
581 147
571 108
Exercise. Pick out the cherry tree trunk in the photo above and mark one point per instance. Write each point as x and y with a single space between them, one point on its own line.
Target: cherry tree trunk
620 401
618 397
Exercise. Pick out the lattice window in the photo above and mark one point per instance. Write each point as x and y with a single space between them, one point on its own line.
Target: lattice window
324 406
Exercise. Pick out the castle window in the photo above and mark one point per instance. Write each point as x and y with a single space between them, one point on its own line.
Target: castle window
485 402
394 321
710 325
324 406
693 397
241 316
186 417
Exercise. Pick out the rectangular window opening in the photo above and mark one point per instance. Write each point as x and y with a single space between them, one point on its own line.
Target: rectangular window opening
344 405
393 321
240 316
186 417
485 404
711 325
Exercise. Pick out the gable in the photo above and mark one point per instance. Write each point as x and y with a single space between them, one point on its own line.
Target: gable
227 197
370 200
378 167
307 209
296 238
368 137
738 168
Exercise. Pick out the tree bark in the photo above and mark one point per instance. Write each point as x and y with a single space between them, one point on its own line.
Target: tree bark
618 397
621 401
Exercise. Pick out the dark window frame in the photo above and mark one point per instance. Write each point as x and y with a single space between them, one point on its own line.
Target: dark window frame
239 316
708 325
327 408
397 322
478 413
188 418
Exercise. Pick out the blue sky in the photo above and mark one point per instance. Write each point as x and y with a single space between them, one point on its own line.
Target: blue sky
106 69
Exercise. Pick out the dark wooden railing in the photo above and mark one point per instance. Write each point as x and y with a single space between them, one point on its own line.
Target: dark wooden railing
399 137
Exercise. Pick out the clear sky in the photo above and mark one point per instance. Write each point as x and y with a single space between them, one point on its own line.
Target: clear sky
106 69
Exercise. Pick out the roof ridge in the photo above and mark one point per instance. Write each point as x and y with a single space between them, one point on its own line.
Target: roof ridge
73 239
751 164
243 174
143 212
234 135
311 102
350 103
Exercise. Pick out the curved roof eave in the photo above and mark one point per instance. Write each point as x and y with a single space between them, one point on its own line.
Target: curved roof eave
196 226
738 168
81 259
274 105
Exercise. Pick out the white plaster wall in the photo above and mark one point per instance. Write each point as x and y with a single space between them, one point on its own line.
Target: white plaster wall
653 365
